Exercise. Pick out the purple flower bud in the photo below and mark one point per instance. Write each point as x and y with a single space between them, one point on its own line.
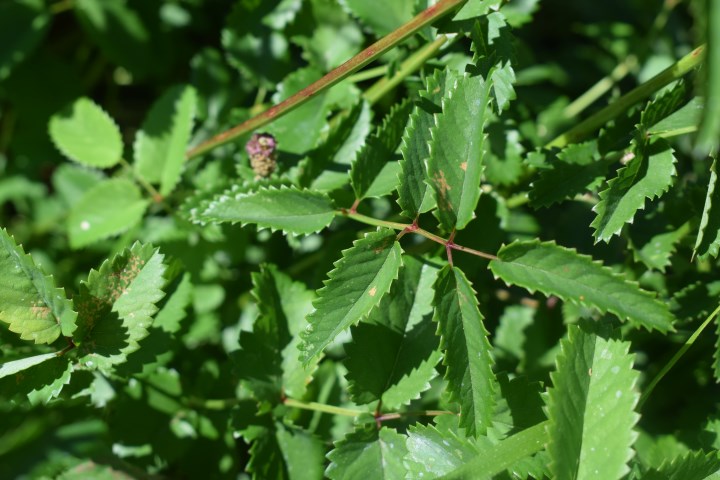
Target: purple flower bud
261 149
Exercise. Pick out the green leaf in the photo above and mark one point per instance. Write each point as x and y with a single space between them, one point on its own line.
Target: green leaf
492 43
394 14
116 305
378 150
471 380
663 106
107 209
394 351
304 455
357 284
161 142
577 169
299 131
648 175
591 407
23 24
457 150
707 138
693 466
29 300
684 120
435 451
657 251
84 132
576 278
368 453
708 238
288 209
11 368
414 197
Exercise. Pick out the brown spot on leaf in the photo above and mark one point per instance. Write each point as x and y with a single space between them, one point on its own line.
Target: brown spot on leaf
442 184
463 165
373 291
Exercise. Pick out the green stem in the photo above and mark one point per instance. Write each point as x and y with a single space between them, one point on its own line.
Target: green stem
363 58
368 74
592 123
688 343
409 66
321 407
213 403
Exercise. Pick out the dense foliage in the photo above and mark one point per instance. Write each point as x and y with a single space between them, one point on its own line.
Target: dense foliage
485 247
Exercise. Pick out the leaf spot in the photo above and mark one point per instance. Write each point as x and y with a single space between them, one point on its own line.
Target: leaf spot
589 372
373 291
463 165
84 225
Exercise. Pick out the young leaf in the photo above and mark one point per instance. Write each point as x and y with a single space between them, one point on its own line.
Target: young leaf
576 278
368 453
394 14
378 150
471 380
576 170
116 305
591 407
288 209
161 143
394 351
354 287
414 197
84 132
107 209
456 151
648 175
708 238
29 300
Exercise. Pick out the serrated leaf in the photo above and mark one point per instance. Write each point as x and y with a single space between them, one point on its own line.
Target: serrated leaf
29 301
576 278
692 466
288 209
657 251
683 120
116 305
23 25
648 175
576 170
378 150
85 133
394 351
708 238
394 14
40 382
471 381
457 150
357 284
437 450
107 209
368 453
492 43
161 143
663 106
414 197
591 407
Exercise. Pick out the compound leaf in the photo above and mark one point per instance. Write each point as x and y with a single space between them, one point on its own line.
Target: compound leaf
29 301
708 237
108 208
648 175
368 453
394 351
84 132
576 278
414 196
288 209
378 150
116 305
356 285
161 142
457 149
591 407
471 380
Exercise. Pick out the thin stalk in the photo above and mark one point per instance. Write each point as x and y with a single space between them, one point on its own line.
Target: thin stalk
213 403
686 346
408 67
670 74
340 73
321 407
368 74
423 413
